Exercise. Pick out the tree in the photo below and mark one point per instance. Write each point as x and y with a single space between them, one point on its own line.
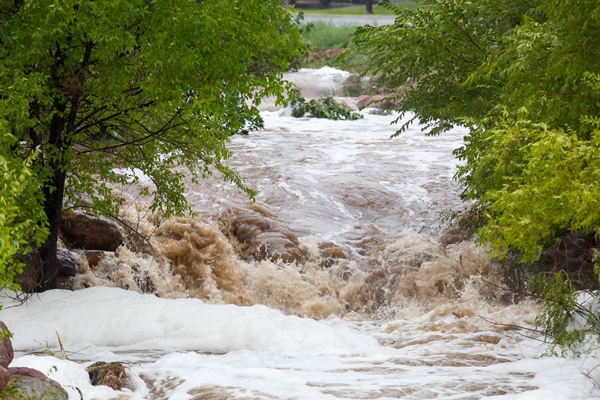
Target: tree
524 77
90 85
22 221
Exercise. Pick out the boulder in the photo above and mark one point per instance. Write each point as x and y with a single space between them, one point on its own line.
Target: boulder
4 378
90 233
27 383
378 101
26 372
34 385
66 265
65 282
108 374
6 357
6 350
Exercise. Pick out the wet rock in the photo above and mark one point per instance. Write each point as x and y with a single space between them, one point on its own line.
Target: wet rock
37 387
26 382
26 372
90 233
379 101
347 101
6 350
108 374
31 277
66 265
4 378
65 282
6 357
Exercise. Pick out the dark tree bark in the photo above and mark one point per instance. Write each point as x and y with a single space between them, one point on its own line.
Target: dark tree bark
53 198
53 193
369 7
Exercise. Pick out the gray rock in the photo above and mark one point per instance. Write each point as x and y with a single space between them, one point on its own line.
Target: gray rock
65 263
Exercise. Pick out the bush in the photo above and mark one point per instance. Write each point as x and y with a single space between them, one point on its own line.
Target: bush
325 107
524 78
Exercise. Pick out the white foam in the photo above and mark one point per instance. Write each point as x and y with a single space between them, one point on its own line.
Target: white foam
115 318
132 174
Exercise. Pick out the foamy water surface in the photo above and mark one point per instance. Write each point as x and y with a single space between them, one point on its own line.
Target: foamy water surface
338 282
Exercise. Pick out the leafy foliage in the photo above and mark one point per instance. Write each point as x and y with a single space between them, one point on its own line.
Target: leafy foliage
560 303
325 107
439 45
381 111
523 76
146 85
22 219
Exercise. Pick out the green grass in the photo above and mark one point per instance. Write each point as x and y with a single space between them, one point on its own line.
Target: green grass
360 10
326 35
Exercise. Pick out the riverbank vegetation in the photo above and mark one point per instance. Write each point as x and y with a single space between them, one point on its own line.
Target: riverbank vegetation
523 77
148 87
360 10
325 107
85 86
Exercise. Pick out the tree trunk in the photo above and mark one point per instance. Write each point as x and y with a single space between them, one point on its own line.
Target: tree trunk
369 7
54 189
53 208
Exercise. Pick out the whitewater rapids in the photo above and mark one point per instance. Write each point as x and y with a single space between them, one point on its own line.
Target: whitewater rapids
339 282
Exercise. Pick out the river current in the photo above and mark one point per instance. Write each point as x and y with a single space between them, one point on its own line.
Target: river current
339 281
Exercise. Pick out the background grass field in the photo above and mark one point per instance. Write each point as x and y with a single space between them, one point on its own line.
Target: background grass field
360 10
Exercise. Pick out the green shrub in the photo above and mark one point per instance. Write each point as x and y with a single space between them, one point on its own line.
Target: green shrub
325 107
22 221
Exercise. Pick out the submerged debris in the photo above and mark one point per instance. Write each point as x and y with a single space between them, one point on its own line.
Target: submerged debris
108 374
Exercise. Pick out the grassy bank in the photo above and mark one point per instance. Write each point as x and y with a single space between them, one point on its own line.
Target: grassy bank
328 41
360 10
325 35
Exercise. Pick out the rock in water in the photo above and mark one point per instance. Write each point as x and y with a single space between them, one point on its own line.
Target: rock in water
90 233
26 383
65 263
108 374
6 357
31 384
